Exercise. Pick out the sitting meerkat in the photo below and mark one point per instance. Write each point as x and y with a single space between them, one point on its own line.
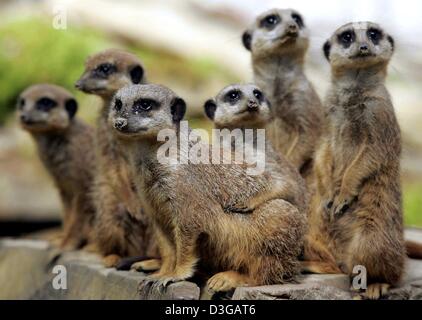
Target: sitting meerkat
278 41
250 226
121 228
356 211
65 145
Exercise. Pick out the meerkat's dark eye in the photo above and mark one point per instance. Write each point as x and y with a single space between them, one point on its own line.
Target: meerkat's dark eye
21 103
105 69
347 37
233 96
118 105
375 35
270 21
258 94
298 19
143 105
45 104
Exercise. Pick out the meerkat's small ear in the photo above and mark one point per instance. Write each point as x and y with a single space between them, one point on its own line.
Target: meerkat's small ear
326 48
136 74
210 106
71 107
247 39
391 40
178 109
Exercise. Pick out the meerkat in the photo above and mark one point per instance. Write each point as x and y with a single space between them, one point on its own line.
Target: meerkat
65 145
121 228
250 226
278 41
357 213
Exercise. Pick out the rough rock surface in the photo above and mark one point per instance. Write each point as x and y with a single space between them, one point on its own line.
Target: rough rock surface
26 272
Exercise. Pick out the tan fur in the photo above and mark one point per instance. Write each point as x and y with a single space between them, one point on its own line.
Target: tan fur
65 146
357 213
278 54
121 228
195 207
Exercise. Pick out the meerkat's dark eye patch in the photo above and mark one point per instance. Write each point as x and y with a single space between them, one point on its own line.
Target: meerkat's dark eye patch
210 108
71 107
247 40
45 104
136 74
298 19
374 35
391 40
258 94
178 109
346 38
104 70
21 103
270 21
233 96
143 105
118 105
327 48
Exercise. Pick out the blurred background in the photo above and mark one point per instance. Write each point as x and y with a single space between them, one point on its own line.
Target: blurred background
192 46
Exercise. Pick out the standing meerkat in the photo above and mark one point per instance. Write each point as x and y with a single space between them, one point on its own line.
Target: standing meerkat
121 228
278 41
357 213
249 225
65 146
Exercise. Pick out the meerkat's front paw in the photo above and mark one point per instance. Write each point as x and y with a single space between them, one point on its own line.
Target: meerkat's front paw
160 281
341 204
226 281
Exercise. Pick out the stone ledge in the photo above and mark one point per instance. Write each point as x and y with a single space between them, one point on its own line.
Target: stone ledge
26 273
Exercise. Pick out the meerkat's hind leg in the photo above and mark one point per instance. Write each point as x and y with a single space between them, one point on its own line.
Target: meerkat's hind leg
149 265
227 280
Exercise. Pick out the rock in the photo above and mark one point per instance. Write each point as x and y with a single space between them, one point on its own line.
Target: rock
26 273
303 291
340 281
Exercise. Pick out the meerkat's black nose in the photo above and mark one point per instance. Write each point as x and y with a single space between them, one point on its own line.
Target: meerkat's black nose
120 123
252 105
292 28
363 48
78 84
24 118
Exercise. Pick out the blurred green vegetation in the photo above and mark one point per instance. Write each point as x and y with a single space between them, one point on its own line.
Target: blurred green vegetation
412 203
31 51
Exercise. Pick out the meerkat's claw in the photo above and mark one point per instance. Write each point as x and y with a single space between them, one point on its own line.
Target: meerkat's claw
235 209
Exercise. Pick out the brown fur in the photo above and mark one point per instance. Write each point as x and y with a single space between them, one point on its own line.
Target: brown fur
278 54
65 146
197 209
121 228
356 212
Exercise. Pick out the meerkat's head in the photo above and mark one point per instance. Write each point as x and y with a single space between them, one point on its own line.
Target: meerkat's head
45 108
358 45
239 106
277 32
141 111
108 71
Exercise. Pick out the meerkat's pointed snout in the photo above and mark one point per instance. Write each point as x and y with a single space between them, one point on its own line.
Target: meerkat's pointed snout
252 105
120 124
